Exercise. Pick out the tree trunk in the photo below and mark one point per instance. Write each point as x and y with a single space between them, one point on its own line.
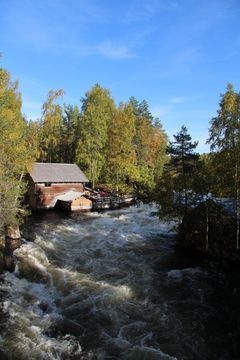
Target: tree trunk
207 229
237 207
184 184
238 220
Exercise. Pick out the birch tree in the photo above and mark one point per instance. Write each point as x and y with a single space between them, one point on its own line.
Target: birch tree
122 160
224 138
97 111
50 127
69 134
150 142
15 155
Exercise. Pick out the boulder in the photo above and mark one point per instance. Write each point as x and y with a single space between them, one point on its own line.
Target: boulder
12 242
13 232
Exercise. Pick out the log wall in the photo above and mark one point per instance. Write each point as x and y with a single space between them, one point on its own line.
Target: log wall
43 197
81 203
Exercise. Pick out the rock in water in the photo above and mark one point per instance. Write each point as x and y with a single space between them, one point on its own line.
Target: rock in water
13 232
12 242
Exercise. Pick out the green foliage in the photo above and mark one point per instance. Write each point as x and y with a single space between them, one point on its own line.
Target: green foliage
124 146
224 137
97 111
208 228
224 131
217 173
181 151
150 143
14 149
164 194
69 134
179 173
121 159
50 125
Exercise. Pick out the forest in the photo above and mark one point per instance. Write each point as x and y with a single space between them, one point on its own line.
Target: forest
123 146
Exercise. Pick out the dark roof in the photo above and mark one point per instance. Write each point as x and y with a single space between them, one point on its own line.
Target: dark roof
56 173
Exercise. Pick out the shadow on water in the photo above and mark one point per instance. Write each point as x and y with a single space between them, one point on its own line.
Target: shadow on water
115 283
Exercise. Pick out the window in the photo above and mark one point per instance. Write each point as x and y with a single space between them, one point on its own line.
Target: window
48 184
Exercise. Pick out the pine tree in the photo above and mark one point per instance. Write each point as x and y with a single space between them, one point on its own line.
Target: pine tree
181 167
183 160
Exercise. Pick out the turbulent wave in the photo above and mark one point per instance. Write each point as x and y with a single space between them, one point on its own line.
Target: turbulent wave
104 286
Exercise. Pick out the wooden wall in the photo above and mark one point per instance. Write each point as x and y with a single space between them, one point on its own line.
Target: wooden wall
81 203
43 197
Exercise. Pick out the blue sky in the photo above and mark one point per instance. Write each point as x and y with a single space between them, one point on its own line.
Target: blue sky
178 55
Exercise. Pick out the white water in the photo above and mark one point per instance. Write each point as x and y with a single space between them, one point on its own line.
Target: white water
104 286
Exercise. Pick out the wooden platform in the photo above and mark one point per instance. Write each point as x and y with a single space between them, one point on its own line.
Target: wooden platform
113 202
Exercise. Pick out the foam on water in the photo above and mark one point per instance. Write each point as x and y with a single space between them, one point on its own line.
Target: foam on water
32 311
93 282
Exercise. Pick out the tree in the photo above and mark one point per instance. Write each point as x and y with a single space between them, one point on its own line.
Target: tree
97 111
203 178
50 127
69 134
157 149
179 172
15 155
183 161
150 143
224 137
122 162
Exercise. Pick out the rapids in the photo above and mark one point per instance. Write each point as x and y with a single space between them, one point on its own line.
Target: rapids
110 285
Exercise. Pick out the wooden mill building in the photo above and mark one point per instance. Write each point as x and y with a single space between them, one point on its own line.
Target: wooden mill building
57 185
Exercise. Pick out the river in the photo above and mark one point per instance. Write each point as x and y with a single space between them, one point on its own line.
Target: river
110 285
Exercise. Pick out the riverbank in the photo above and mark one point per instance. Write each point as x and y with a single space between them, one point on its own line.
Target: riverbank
210 230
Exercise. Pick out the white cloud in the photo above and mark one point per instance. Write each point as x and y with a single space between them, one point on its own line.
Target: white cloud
178 100
161 110
114 51
105 49
145 10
